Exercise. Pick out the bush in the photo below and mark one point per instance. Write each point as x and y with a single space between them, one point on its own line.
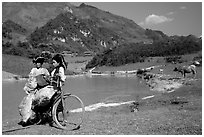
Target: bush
31 53
174 59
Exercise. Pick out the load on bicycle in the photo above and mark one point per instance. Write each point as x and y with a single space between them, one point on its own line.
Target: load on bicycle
41 86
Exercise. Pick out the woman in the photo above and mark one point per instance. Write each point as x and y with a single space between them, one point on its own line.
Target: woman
31 88
31 85
59 70
43 96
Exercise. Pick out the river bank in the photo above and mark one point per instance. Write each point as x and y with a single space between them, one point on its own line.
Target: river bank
174 113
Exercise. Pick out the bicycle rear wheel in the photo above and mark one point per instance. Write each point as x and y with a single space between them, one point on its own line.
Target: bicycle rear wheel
74 112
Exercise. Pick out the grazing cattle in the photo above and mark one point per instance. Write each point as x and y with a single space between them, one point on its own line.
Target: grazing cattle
196 63
186 69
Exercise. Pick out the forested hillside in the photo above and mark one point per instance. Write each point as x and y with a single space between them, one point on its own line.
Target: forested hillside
114 40
138 52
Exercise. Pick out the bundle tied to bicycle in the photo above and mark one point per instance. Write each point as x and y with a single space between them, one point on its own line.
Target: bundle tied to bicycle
40 93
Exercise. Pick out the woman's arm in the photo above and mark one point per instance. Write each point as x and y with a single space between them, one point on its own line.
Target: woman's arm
32 73
46 72
61 74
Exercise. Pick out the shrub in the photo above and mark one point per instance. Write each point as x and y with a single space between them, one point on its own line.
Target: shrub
174 59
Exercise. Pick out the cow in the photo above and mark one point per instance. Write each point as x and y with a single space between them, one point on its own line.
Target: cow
186 69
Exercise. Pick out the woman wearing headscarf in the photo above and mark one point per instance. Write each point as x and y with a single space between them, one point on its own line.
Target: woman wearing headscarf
31 88
59 70
42 96
31 85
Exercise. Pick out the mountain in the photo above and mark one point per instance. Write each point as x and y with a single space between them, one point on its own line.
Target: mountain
30 28
122 26
81 34
85 28
31 14
12 32
10 26
156 35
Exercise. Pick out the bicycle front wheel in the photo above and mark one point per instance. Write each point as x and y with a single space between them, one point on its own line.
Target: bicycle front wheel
73 114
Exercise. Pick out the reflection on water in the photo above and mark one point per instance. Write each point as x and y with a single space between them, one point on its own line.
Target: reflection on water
90 89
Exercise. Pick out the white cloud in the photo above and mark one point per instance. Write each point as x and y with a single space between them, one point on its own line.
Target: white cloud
155 19
170 13
183 8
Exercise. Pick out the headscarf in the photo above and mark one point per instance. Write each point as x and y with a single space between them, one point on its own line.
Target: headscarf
38 60
60 59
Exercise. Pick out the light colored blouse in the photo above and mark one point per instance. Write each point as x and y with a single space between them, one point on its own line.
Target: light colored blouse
31 84
61 74
37 71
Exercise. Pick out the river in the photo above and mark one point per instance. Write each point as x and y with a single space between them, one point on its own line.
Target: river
91 90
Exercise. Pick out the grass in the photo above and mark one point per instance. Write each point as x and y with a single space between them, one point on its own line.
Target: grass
153 61
16 64
175 113
21 66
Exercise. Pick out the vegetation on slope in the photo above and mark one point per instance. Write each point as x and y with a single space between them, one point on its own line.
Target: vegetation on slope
137 52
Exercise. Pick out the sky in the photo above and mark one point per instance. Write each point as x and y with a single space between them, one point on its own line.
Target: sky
172 18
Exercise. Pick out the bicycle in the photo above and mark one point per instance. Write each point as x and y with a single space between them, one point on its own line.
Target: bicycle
65 110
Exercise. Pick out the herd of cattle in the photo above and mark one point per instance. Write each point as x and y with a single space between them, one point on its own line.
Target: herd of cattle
180 69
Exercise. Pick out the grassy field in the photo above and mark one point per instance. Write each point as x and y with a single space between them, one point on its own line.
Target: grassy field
174 113
16 64
22 66
154 61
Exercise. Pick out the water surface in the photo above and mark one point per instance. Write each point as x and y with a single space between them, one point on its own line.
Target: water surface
91 90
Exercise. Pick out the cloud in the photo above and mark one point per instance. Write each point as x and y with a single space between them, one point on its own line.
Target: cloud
174 12
183 8
155 19
170 13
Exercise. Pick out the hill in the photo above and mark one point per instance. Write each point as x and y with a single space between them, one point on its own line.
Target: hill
78 29
30 28
86 28
31 14
169 47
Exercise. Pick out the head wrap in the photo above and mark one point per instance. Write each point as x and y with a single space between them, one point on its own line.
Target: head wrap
60 59
38 60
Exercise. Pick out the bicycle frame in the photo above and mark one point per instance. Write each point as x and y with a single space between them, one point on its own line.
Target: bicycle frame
57 111
58 95
61 96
